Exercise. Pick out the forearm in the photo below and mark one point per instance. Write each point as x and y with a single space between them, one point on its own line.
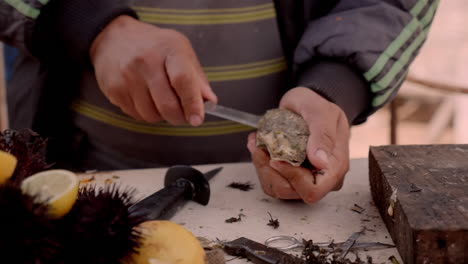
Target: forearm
17 20
338 83
67 28
375 39
57 29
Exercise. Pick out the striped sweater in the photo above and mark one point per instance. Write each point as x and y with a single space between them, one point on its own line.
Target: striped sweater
354 53
239 47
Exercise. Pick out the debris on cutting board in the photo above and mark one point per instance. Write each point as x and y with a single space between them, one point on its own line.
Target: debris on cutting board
213 250
273 222
108 181
215 256
243 186
208 243
369 229
312 254
88 180
284 135
234 219
414 188
393 260
357 208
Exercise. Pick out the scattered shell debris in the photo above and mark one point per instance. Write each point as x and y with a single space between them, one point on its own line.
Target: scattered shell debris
88 180
393 198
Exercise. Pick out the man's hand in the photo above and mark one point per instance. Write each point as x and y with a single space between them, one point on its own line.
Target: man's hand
151 73
327 150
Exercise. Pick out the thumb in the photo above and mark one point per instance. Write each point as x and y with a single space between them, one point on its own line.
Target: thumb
320 146
320 116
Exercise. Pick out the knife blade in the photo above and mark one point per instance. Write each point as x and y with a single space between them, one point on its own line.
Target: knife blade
232 114
349 243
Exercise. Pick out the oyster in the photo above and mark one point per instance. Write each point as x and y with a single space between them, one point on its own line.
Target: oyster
284 135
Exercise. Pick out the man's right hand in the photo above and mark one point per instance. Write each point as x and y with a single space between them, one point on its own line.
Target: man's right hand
151 73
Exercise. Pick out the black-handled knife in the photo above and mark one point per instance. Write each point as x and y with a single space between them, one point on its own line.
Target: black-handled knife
181 183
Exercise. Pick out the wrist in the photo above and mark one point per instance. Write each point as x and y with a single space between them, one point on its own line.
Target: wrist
106 34
340 84
308 103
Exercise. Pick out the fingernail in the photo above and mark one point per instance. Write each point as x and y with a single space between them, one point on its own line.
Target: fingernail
214 97
322 155
195 120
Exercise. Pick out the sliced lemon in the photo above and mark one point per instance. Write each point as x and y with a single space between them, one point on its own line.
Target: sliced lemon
57 188
165 242
7 165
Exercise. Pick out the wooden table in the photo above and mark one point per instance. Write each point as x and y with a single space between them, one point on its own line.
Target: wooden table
331 218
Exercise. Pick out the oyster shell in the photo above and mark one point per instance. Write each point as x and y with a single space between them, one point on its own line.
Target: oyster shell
284 135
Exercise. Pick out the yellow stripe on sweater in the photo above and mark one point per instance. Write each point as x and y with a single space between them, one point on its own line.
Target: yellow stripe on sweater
129 119
246 65
242 74
123 122
207 19
214 74
199 11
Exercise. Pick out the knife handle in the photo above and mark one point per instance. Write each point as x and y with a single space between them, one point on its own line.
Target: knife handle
163 204
259 253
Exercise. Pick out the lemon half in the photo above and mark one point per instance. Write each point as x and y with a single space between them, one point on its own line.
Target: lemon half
165 242
7 165
57 188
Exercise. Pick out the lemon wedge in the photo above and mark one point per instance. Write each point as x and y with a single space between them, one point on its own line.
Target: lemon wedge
7 165
165 242
57 188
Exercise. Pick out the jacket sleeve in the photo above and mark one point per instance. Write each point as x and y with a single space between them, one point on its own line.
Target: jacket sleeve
358 54
57 29
17 21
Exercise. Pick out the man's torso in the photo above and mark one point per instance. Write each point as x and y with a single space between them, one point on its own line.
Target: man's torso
239 48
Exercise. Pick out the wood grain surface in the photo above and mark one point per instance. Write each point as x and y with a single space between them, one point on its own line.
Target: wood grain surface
427 190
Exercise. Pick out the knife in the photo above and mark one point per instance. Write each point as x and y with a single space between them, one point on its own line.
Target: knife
232 114
242 118
258 253
181 183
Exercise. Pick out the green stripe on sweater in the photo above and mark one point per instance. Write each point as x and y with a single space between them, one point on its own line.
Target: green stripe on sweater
23 8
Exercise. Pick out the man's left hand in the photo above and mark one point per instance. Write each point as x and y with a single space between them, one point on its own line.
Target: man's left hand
327 150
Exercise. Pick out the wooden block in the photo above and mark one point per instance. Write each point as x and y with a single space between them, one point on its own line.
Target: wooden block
429 222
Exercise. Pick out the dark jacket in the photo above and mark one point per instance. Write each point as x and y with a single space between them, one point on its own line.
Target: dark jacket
354 53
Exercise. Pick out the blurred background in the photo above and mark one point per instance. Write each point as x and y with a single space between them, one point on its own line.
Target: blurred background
434 113
431 105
